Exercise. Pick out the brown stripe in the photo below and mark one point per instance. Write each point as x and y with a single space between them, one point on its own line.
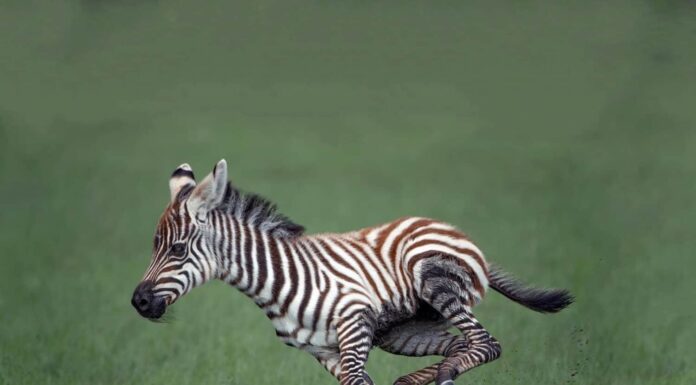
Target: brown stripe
279 276
292 279
308 283
358 246
248 263
400 279
427 254
228 225
453 234
362 234
367 275
406 232
384 233
261 261
332 310
336 259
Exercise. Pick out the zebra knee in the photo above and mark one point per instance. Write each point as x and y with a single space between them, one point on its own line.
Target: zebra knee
356 379
496 349
484 351
487 351
465 356
458 345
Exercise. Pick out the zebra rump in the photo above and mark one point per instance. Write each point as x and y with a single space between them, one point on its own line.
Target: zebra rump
541 300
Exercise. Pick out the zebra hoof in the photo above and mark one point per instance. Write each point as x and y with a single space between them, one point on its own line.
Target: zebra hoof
445 376
367 380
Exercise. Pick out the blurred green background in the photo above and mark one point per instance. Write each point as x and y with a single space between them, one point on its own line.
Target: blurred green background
561 137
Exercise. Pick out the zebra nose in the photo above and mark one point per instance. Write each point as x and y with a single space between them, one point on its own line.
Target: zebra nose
142 297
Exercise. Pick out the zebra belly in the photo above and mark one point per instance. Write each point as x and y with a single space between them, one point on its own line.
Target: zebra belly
292 334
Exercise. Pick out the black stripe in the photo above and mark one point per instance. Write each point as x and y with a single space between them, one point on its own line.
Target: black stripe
179 172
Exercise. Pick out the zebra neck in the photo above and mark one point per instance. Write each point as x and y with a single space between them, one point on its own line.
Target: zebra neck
253 259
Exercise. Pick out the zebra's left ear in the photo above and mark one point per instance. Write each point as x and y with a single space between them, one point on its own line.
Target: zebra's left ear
209 193
182 179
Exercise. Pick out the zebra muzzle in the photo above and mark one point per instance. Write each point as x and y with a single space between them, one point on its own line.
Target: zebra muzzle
147 303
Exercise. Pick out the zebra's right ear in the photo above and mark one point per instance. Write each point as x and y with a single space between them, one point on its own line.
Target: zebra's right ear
209 193
182 180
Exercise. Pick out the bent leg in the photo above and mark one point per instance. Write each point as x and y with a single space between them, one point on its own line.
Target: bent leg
447 294
355 335
420 338
330 360
416 338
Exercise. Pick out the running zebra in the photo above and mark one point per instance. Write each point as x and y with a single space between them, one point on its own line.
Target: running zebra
400 286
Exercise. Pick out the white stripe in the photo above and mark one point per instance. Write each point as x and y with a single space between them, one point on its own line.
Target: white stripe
470 261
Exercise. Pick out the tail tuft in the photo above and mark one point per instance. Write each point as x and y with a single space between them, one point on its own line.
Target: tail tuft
541 300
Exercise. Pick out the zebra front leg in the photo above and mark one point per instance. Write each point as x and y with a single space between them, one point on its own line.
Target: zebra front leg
330 360
354 343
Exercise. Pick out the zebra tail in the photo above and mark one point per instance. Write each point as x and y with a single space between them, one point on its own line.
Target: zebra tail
541 300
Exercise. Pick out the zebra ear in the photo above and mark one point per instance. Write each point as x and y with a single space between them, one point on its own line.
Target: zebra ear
209 193
182 180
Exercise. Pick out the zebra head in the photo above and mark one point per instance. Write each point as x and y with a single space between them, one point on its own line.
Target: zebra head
183 256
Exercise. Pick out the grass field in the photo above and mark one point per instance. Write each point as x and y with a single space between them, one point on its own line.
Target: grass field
562 138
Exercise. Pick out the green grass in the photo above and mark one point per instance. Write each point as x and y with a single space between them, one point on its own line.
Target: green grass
560 137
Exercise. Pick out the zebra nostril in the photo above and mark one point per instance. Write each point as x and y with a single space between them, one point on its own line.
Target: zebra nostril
144 299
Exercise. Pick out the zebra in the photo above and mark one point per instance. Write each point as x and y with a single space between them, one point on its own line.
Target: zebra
400 286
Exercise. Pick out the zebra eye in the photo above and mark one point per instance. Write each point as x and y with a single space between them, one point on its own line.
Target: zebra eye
178 249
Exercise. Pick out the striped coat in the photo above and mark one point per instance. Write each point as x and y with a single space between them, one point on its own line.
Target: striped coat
399 286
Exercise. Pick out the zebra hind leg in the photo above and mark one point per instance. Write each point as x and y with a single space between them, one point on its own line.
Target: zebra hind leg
418 338
429 373
449 294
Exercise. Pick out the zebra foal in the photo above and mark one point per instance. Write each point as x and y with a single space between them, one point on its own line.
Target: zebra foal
400 286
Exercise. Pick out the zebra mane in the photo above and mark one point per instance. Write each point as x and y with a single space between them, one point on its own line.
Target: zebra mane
257 210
